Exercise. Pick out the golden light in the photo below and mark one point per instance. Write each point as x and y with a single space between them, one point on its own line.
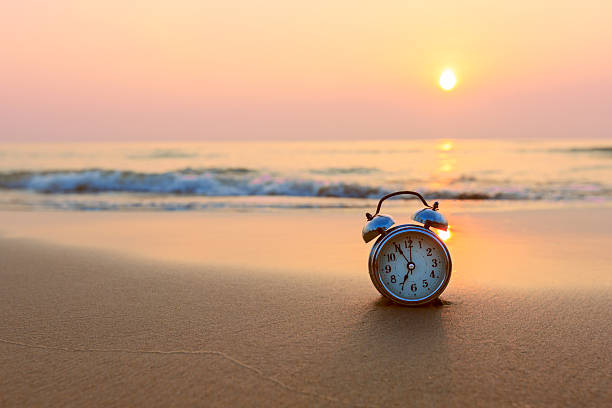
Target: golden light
446 167
446 146
448 79
444 235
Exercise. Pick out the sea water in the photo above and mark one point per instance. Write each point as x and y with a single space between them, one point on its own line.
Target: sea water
266 175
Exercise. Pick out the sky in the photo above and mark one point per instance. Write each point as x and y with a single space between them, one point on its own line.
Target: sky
98 70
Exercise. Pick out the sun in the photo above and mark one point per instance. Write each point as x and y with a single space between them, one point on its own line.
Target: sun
448 79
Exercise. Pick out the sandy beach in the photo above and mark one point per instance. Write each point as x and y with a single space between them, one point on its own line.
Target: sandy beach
98 309
184 186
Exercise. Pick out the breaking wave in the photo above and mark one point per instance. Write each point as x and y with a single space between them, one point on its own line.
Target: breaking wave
220 182
207 182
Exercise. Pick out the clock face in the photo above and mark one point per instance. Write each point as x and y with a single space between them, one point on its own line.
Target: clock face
412 265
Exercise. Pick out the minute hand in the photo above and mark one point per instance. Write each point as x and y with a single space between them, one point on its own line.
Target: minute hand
410 247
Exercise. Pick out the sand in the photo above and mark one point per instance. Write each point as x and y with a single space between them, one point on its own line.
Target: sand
249 309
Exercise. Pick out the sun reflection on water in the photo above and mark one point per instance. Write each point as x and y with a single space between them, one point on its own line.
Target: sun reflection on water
444 235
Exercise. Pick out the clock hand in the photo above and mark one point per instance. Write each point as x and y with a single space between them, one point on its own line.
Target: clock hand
410 267
405 278
402 253
410 247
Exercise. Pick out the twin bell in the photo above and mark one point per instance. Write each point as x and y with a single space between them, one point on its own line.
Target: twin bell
378 224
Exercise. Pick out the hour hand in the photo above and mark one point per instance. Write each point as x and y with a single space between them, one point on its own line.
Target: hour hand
401 252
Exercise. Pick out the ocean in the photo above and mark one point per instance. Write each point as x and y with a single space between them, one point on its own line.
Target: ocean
156 176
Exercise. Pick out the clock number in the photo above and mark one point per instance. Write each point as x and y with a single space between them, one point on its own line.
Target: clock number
398 248
390 257
434 263
428 251
433 274
408 243
387 268
420 244
393 279
413 287
425 284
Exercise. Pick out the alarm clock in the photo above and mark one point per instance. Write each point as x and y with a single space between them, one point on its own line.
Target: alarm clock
409 264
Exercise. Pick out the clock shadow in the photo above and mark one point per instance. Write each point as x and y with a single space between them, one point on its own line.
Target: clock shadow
399 349
384 302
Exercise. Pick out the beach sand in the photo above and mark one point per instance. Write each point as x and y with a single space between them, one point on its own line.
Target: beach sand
277 309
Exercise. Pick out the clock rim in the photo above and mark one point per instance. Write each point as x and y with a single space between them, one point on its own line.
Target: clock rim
373 264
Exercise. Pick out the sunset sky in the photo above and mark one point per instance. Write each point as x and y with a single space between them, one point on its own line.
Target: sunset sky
287 70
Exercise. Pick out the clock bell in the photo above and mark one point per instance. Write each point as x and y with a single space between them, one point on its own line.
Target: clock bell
378 223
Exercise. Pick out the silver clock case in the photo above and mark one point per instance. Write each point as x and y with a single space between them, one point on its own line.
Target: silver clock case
376 226
373 265
431 218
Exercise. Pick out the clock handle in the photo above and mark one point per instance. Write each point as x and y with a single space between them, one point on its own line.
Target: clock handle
434 207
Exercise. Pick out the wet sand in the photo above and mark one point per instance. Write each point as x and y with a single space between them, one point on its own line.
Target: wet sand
228 309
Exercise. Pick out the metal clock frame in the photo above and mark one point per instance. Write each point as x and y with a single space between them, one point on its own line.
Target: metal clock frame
375 274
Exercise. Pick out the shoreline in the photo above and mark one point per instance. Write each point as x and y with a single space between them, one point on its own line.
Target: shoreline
498 249
29 201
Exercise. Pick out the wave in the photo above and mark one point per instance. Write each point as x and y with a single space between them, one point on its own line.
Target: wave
237 181
589 149
204 182
169 154
345 170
